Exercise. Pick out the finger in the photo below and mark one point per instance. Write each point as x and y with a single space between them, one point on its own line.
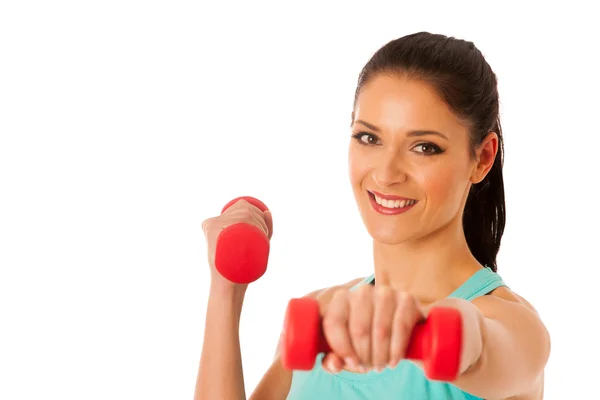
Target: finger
259 219
269 221
406 315
335 328
383 316
243 209
332 363
361 314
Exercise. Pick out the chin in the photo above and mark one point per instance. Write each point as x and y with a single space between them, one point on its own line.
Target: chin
386 229
390 235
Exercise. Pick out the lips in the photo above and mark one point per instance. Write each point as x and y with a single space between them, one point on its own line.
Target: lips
388 204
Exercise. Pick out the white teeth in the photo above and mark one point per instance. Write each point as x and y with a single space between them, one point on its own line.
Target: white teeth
393 203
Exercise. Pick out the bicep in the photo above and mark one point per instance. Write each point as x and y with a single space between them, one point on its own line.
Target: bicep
275 384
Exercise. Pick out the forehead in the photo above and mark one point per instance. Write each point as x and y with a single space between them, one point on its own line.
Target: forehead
397 103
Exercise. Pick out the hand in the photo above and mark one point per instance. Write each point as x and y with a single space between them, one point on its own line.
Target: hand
370 328
240 212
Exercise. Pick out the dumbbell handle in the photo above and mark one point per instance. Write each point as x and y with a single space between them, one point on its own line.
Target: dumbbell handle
437 341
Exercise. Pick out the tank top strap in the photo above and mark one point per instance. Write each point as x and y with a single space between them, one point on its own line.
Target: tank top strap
479 284
364 281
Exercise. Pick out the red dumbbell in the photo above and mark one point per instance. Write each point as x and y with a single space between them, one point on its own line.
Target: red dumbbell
437 341
242 250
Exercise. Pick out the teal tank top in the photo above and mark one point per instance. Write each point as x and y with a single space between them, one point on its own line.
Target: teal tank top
405 381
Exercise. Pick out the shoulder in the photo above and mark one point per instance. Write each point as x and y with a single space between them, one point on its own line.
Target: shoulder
513 311
504 295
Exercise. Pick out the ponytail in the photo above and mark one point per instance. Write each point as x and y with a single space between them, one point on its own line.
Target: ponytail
484 217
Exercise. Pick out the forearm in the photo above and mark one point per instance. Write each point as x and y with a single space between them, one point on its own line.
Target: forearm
513 354
220 375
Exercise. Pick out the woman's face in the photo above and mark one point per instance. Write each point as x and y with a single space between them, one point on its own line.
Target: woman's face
409 160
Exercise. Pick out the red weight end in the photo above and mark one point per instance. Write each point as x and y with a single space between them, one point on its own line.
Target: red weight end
443 359
255 202
301 328
242 253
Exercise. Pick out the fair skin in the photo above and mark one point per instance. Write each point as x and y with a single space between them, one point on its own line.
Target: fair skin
420 257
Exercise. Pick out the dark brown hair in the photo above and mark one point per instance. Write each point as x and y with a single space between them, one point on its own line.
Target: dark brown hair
459 73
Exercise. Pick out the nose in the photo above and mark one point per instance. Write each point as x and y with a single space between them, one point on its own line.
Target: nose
389 171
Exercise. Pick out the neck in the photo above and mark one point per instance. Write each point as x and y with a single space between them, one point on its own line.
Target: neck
430 268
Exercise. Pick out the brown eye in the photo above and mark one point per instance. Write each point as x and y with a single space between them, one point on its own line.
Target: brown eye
366 138
369 139
428 148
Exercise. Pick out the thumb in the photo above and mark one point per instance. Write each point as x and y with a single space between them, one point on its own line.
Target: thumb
269 222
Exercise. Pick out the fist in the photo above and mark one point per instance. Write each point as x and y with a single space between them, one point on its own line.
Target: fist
369 328
240 212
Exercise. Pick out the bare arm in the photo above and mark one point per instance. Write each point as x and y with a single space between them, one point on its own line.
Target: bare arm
516 348
220 374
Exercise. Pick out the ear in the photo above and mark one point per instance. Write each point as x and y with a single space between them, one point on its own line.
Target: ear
485 156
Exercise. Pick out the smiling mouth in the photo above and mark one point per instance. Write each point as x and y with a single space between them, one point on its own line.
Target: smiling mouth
391 201
390 205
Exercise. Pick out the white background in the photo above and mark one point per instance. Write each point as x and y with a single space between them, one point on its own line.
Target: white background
124 124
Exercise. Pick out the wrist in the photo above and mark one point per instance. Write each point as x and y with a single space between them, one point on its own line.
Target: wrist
473 325
227 293
477 346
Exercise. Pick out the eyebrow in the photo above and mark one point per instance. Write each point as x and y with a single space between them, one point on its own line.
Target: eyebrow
411 133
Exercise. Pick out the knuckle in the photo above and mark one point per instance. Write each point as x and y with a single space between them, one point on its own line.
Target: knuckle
383 294
405 300
206 224
363 294
366 290
341 290
338 295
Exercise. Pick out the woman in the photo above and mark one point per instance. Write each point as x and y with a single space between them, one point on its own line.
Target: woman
425 163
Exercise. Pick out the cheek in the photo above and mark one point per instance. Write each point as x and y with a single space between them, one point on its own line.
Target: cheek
444 185
358 166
